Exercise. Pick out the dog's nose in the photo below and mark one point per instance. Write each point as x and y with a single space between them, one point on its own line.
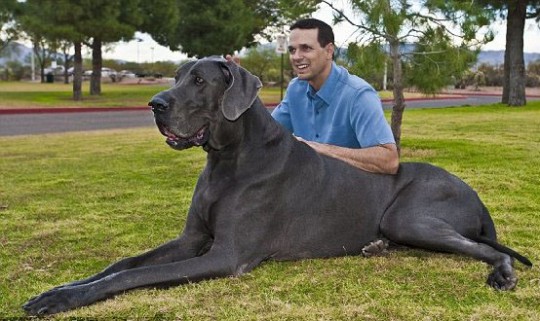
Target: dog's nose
158 104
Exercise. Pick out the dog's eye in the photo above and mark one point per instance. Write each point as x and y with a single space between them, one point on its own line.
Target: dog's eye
199 81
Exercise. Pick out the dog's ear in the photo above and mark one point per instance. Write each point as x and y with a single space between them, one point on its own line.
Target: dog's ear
241 92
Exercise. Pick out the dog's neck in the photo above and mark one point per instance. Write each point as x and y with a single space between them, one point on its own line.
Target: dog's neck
255 129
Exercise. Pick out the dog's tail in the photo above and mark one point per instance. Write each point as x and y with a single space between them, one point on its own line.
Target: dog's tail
489 236
501 248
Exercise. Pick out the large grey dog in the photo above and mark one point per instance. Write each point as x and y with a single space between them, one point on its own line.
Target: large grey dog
264 195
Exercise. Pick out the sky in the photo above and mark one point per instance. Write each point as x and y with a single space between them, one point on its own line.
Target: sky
145 49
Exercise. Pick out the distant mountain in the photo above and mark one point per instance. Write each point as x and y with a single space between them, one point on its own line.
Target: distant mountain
496 57
15 51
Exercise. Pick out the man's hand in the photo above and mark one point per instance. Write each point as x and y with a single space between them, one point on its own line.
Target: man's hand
234 59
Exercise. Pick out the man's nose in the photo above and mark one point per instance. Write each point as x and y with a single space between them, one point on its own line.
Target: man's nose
295 55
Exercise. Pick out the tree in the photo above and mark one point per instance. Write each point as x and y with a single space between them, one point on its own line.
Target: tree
369 61
30 17
7 29
398 22
55 21
436 62
260 61
516 13
106 21
215 27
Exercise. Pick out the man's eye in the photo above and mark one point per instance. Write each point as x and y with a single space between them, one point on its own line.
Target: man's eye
199 81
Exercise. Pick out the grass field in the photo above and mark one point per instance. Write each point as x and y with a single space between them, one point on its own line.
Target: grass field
32 95
70 204
22 95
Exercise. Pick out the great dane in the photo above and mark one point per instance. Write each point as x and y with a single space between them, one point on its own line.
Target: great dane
264 195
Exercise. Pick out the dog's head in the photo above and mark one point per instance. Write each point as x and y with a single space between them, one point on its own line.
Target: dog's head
207 93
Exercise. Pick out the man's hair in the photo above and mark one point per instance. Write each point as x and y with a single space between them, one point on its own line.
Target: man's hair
325 34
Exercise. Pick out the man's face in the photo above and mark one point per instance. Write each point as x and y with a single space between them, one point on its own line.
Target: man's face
309 60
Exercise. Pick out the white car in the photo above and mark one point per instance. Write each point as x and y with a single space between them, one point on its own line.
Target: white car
105 73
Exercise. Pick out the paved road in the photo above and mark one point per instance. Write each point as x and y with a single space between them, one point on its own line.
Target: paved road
458 101
41 123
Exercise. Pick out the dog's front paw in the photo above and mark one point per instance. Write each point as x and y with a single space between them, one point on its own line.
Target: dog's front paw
375 248
53 301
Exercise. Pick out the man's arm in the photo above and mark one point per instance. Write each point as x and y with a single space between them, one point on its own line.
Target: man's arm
383 159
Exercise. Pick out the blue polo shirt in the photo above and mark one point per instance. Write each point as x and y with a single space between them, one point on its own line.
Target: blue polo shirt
346 112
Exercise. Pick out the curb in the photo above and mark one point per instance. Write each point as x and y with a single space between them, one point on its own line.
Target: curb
13 111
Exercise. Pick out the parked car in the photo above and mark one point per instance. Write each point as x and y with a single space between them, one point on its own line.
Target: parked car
57 71
105 73
126 74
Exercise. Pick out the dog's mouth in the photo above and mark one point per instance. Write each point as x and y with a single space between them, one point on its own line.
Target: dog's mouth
199 138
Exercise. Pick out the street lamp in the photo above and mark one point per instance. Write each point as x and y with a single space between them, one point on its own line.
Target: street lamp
139 40
281 48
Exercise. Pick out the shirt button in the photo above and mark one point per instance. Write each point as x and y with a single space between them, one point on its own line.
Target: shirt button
317 135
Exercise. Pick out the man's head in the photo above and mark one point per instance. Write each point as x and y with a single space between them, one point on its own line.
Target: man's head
311 48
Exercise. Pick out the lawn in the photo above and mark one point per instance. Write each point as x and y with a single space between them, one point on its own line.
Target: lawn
70 204
22 95
31 95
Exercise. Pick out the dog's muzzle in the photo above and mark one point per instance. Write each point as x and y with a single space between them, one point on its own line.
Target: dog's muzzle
199 138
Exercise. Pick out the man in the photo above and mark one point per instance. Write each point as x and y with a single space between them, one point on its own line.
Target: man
337 114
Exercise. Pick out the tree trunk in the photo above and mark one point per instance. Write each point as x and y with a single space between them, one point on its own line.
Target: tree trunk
39 58
399 99
77 71
66 67
514 64
97 62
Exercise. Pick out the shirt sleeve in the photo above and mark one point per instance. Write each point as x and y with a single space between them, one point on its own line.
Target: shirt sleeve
368 121
281 114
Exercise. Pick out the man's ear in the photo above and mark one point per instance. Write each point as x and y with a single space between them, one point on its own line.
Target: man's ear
330 49
241 93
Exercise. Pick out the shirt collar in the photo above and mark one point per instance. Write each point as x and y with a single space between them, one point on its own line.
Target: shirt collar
328 88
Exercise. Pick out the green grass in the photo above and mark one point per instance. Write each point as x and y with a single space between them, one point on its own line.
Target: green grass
73 203
38 95
31 95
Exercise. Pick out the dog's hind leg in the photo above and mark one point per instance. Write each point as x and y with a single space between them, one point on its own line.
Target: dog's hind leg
437 235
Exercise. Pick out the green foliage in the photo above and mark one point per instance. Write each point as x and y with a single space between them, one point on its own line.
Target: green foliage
437 63
109 20
7 29
500 7
367 62
265 64
216 27
14 70
161 18
431 25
